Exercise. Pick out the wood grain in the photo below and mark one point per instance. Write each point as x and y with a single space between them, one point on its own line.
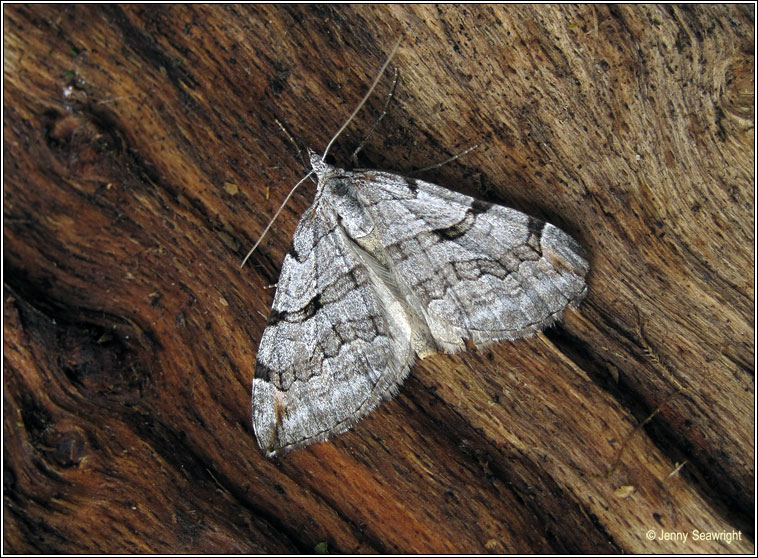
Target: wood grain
142 159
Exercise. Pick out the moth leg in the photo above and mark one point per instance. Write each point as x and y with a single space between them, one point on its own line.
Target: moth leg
445 162
294 143
377 121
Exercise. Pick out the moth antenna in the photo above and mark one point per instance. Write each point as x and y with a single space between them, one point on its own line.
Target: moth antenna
360 105
365 98
271 222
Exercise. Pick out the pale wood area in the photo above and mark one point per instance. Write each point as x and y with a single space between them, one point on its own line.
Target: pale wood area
142 160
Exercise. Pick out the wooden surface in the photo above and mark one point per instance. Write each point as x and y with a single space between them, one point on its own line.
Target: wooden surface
142 160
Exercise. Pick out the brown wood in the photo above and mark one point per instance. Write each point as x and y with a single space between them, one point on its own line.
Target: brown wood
142 160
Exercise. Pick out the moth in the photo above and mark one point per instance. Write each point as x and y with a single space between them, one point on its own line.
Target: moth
383 269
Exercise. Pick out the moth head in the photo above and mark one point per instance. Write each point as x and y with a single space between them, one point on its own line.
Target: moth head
319 166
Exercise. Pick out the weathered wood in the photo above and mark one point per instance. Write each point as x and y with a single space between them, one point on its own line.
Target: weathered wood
143 158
